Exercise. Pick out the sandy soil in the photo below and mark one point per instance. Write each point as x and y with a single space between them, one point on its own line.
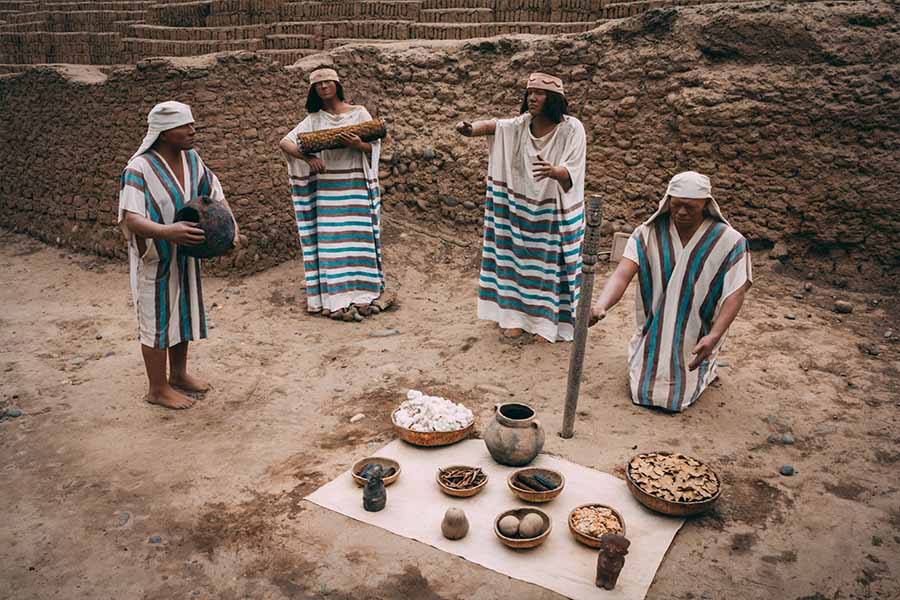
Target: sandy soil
90 473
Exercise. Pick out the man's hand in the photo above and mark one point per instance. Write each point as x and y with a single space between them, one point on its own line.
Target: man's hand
316 164
702 350
464 128
350 140
185 233
544 170
597 315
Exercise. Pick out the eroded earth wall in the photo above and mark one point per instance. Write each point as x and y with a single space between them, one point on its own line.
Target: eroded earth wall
792 109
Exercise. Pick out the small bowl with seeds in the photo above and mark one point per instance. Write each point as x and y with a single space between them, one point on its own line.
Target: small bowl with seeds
461 481
589 522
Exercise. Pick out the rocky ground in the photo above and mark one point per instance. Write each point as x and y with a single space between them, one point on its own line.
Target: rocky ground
105 496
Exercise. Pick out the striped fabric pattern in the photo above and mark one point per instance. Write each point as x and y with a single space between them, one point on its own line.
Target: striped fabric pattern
680 290
531 251
165 284
338 220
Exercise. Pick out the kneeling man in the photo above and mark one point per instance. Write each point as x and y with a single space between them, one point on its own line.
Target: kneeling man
693 272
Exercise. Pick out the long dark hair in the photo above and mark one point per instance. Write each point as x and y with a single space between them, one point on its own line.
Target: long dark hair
555 107
314 103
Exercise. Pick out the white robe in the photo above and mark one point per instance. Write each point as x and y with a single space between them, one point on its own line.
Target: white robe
531 255
338 216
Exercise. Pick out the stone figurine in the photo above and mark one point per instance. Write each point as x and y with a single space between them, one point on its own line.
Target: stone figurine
374 494
613 549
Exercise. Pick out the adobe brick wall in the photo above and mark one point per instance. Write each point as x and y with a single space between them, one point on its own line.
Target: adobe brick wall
793 111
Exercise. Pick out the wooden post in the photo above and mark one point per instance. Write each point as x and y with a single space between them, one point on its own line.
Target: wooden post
589 250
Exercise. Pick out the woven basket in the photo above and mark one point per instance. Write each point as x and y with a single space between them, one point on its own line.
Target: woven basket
431 438
672 508
528 542
530 495
589 540
385 464
327 139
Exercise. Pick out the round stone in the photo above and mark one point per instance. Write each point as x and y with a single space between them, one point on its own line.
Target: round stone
786 470
787 439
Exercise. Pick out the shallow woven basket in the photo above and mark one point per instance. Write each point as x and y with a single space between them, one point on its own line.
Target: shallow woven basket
384 462
532 496
589 540
459 493
327 139
431 438
673 508
528 542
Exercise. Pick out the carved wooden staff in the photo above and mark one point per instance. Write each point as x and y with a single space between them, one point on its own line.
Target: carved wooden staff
583 313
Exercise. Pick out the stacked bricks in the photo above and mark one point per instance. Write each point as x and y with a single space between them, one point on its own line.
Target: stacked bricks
327 11
77 48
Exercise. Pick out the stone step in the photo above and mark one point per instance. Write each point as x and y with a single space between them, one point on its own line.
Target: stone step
326 11
163 32
23 27
461 31
332 43
289 57
138 48
20 5
55 47
129 5
457 15
292 42
454 4
79 20
180 14
373 29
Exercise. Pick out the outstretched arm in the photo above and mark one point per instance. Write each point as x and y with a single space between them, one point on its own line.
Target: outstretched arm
477 128
730 309
613 290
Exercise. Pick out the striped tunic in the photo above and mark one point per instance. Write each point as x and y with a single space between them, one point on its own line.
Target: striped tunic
338 218
531 254
680 292
165 284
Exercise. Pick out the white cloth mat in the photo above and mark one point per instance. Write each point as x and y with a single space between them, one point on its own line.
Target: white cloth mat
416 507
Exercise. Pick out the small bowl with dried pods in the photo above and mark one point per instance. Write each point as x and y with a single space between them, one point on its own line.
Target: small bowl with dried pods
461 481
390 470
535 484
589 522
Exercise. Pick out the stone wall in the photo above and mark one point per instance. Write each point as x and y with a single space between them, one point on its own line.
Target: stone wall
794 111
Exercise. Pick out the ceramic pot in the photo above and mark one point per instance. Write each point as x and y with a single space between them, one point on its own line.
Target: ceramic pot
215 221
515 436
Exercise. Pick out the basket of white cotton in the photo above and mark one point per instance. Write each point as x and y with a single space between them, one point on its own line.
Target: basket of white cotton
425 420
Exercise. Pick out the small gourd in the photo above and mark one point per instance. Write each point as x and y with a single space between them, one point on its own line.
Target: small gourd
509 526
531 526
455 525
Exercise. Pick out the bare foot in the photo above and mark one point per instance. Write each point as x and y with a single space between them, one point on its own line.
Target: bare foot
385 300
189 383
169 398
513 333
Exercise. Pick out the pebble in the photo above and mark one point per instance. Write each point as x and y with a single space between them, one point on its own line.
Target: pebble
449 200
790 317
469 205
888 334
843 307
787 439
155 539
122 518
807 286
799 296
357 418
384 333
428 154
13 413
773 438
99 337
786 470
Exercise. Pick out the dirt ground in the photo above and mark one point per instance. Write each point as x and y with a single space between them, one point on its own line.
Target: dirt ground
89 474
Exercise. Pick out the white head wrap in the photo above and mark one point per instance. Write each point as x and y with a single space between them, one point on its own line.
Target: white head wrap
689 184
162 117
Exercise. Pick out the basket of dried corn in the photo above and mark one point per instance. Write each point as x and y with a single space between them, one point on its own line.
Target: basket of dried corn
329 139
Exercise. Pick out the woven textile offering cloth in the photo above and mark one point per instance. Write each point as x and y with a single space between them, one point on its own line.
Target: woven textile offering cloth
415 508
